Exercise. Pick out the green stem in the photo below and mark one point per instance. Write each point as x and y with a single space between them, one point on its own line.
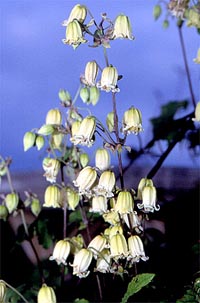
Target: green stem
16 291
105 56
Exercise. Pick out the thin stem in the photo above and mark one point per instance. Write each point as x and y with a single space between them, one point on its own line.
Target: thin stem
186 65
9 178
16 291
64 220
99 288
105 56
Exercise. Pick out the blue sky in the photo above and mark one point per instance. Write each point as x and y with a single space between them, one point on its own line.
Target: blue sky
35 64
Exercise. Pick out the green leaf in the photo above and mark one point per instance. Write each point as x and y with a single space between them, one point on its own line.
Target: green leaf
136 284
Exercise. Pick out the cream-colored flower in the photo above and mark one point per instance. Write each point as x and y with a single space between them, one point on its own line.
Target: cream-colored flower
132 121
79 12
72 198
118 246
102 159
143 182
197 59
136 249
197 113
114 230
29 140
103 261
106 184
82 261
46 294
110 121
133 221
2 291
94 95
75 128
61 252
112 217
122 28
97 245
39 142
193 18
51 167
109 78
56 141
84 135
149 198
52 196
125 203
86 179
53 117
99 204
178 8
74 34
3 213
91 71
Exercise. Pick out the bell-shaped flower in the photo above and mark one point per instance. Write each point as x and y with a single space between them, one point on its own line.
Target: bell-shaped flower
56 141
46 294
143 182
35 206
122 28
52 197
3 289
132 121
11 202
74 34
106 184
85 95
75 127
72 198
114 230
133 221
136 249
197 113
109 78
51 167
97 245
54 117
112 217
3 213
103 261
39 142
29 140
118 246
149 199
193 17
61 252
99 204
125 203
84 135
79 12
91 71
102 159
82 261
84 159
86 179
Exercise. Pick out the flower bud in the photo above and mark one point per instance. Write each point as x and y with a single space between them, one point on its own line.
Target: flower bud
29 140
143 182
82 261
51 168
109 79
46 130
61 252
86 179
94 95
118 246
65 97
197 113
110 121
2 291
132 121
84 135
56 141
52 196
84 159
54 117
72 198
85 95
46 294
75 127
12 201
97 245
136 249
122 28
114 230
149 198
79 12
99 204
193 18
165 24
39 142
111 217
102 159
125 203
74 35
157 11
90 75
35 207
3 214
76 244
